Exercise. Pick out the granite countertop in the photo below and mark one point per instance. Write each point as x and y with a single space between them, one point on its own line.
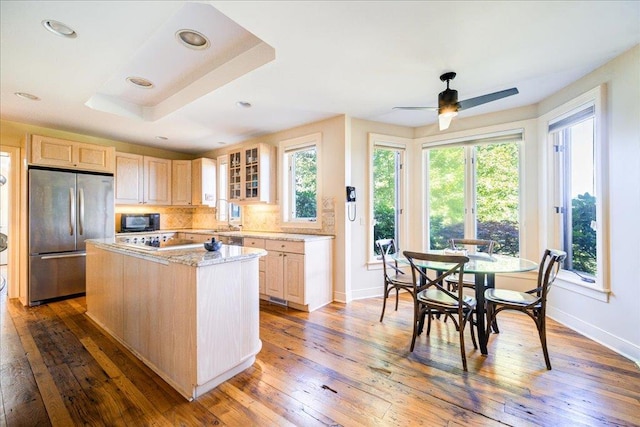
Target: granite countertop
195 257
255 234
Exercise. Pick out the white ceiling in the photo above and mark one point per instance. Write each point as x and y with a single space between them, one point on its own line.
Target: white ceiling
358 58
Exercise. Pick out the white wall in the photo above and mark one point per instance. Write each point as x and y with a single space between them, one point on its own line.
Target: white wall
615 323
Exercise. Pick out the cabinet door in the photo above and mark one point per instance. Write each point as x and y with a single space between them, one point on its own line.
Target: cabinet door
235 176
94 157
274 274
157 181
251 168
203 182
181 182
51 151
129 179
294 277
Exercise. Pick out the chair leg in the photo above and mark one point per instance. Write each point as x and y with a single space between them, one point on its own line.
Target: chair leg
543 340
415 324
491 317
397 297
462 350
384 301
473 334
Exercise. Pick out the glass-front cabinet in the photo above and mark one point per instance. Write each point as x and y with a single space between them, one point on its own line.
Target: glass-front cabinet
252 174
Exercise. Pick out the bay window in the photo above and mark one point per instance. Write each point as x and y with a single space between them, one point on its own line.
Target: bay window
473 190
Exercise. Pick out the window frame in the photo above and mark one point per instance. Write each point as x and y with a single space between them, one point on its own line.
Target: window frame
401 144
514 134
551 221
222 163
286 147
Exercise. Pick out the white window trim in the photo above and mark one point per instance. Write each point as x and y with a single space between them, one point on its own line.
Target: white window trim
307 141
379 140
567 280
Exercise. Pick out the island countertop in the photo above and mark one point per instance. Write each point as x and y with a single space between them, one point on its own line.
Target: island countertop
197 256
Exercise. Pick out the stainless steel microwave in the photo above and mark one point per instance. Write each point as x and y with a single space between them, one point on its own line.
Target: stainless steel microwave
130 223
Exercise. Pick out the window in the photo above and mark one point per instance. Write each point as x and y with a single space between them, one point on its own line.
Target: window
301 183
387 191
225 211
576 214
473 191
573 145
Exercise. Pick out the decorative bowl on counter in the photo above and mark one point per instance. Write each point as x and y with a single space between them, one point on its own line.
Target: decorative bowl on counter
213 245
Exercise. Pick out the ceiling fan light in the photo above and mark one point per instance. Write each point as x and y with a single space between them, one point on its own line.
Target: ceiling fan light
444 118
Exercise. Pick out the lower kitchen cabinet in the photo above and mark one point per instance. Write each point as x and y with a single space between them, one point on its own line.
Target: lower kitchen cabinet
299 272
252 242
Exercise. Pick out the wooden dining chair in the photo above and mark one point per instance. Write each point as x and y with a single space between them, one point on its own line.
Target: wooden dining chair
532 302
434 298
394 277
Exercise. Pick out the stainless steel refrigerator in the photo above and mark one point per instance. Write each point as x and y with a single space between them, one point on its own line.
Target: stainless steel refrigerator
65 209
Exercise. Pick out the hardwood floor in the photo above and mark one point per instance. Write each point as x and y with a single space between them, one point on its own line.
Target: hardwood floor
336 366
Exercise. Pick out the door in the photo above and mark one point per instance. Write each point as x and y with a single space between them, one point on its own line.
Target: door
95 218
52 211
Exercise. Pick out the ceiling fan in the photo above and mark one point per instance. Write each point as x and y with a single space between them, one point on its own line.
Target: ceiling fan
448 105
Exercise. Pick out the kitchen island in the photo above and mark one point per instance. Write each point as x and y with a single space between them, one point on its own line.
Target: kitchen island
190 315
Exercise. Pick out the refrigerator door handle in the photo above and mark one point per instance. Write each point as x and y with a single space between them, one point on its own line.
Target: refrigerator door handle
62 256
81 212
72 211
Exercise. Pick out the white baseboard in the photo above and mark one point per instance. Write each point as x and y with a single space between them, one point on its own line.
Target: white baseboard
621 346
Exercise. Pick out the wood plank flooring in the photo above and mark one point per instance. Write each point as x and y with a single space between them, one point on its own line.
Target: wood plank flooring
336 366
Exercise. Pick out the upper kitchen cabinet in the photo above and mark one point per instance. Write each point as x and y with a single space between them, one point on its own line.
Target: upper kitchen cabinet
203 182
181 182
46 151
252 174
142 180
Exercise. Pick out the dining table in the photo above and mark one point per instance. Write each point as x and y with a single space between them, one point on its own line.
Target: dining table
484 267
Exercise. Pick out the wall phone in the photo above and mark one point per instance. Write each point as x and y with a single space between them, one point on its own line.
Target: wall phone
351 194
351 202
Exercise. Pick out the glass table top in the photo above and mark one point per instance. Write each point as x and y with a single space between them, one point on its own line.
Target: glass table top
480 263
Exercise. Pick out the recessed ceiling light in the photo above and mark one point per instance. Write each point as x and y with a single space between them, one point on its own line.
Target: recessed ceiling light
222 143
59 28
162 138
140 82
192 39
25 95
243 104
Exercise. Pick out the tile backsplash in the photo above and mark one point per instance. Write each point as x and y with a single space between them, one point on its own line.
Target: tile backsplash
254 217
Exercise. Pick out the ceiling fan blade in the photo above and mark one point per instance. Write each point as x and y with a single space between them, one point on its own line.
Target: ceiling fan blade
416 108
474 102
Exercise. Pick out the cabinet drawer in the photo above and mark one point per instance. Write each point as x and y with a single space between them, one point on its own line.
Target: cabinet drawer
285 246
251 242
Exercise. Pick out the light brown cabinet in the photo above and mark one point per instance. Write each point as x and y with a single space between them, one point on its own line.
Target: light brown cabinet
252 174
299 273
181 183
203 182
252 242
47 151
142 180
